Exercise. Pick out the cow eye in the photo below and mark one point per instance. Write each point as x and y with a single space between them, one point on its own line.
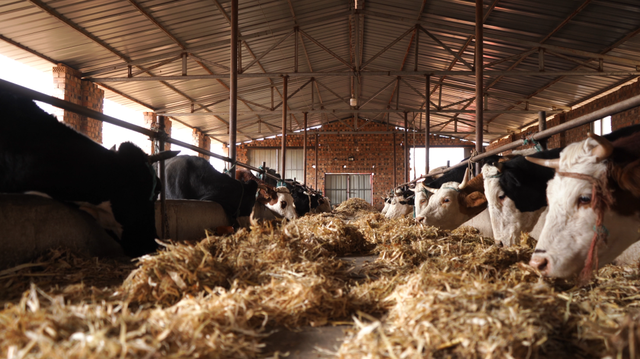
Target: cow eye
422 201
501 197
584 199
446 200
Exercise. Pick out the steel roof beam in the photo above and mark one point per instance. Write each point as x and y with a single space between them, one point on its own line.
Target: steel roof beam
390 45
326 49
330 111
561 77
276 44
29 50
372 73
458 56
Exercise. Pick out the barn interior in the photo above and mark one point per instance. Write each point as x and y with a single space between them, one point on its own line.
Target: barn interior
334 94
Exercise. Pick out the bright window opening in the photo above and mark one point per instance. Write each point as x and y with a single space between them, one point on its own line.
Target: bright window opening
602 127
438 156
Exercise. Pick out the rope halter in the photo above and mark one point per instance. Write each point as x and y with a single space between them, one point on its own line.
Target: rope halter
601 199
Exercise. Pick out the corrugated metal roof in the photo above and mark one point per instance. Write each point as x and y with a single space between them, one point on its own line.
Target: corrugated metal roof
101 38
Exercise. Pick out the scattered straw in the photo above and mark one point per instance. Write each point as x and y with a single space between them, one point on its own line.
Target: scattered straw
429 293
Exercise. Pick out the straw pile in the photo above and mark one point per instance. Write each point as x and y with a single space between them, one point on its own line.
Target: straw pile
353 208
430 293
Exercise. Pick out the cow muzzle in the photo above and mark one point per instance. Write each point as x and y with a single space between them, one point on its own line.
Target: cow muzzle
541 263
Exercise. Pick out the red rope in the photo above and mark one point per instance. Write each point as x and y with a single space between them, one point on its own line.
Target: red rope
601 199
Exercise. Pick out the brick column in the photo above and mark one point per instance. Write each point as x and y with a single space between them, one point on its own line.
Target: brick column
151 120
203 141
69 87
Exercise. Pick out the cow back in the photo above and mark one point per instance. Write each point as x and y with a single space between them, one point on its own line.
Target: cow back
191 177
38 153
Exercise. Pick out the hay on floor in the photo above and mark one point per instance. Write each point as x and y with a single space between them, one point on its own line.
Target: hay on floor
429 293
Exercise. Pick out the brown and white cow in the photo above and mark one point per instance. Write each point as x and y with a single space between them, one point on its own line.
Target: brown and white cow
594 206
454 203
271 203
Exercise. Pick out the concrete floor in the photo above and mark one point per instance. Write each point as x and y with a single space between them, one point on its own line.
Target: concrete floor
309 342
314 342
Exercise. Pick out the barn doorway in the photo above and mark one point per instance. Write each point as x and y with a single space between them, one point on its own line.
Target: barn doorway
339 187
271 156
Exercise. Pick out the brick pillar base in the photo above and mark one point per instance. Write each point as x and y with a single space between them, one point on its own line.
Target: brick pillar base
203 141
69 87
151 120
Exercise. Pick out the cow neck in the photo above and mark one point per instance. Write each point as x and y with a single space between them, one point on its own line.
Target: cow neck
154 180
601 199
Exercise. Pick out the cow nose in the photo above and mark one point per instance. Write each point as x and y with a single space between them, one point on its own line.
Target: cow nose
420 219
540 263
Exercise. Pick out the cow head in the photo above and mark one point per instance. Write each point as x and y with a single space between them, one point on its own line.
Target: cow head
507 221
422 195
324 205
137 188
454 203
401 203
569 228
283 204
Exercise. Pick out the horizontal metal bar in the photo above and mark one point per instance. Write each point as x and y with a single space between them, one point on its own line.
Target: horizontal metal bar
364 73
66 105
582 120
347 110
390 132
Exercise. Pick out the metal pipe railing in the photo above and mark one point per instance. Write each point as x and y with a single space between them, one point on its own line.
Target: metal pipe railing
69 106
541 135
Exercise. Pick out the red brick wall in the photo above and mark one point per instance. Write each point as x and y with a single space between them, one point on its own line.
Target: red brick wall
152 121
203 141
68 86
620 120
373 153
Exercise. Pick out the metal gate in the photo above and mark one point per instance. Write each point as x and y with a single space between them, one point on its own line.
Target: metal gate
341 187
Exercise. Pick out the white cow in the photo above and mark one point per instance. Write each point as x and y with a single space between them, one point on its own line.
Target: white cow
387 204
507 221
571 233
454 203
284 206
422 195
400 205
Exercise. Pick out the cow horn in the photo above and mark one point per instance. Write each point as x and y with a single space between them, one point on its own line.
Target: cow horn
164 155
465 179
604 148
432 190
554 163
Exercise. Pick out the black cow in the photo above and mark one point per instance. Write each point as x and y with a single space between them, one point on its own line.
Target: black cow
457 174
304 198
191 177
38 153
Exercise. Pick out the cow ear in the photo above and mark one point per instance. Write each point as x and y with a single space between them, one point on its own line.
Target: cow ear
630 178
164 155
475 199
113 148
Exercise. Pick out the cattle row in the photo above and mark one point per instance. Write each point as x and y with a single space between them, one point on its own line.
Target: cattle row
585 198
119 187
